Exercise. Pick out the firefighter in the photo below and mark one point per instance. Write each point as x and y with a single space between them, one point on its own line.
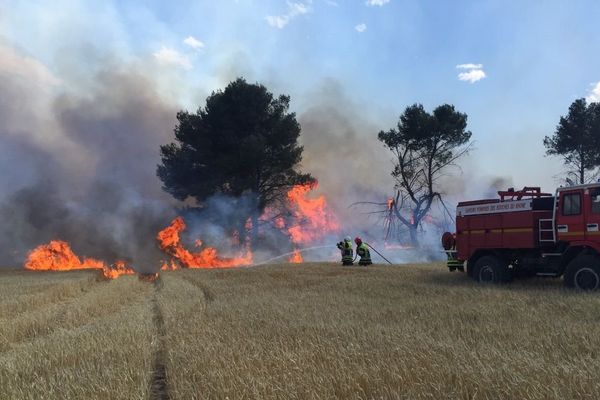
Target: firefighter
346 251
363 251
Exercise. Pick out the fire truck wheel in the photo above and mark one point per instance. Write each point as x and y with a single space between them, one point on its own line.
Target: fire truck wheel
491 269
583 273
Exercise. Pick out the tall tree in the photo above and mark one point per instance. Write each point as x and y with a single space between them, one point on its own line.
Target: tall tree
243 142
577 140
424 145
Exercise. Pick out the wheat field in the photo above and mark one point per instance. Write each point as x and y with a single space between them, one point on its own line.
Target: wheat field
67 335
310 331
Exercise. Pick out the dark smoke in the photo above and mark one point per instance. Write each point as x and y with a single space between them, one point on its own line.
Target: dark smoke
87 175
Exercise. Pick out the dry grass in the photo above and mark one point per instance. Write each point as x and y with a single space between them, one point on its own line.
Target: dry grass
322 331
315 331
69 336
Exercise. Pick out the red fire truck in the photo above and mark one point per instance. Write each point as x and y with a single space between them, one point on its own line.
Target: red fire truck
527 232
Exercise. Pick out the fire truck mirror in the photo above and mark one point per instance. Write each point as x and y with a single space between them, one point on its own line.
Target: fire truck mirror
595 197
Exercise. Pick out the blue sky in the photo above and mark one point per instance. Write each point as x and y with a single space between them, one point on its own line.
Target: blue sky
528 59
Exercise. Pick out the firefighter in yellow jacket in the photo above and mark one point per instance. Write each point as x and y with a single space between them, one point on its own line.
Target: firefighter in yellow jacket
346 250
363 251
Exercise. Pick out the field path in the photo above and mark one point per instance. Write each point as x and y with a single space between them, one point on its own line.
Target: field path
158 385
183 305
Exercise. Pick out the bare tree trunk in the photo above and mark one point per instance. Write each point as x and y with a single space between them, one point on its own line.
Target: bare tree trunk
254 230
414 237
242 234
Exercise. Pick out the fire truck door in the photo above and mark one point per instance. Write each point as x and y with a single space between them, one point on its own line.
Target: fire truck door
570 221
592 218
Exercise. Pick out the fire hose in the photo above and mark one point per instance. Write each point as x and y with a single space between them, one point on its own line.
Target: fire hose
317 247
381 255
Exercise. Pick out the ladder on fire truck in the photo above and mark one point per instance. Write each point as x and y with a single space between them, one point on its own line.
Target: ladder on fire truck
527 192
546 232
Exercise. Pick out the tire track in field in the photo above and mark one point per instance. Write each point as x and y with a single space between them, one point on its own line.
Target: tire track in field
209 296
158 386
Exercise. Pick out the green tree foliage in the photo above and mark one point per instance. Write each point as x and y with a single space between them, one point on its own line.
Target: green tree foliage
243 142
424 145
577 139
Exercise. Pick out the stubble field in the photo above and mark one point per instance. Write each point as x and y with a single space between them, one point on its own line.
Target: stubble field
311 331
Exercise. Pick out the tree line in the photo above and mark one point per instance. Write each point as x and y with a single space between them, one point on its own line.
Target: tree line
244 143
577 140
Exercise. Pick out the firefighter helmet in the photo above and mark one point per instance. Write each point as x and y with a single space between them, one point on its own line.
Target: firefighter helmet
357 240
448 241
348 239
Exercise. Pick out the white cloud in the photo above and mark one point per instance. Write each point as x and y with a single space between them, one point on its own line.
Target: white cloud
594 95
379 3
294 9
13 63
361 27
169 56
471 76
469 66
194 43
277 21
474 72
297 9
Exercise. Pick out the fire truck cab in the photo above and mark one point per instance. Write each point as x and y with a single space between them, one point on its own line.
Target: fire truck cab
527 232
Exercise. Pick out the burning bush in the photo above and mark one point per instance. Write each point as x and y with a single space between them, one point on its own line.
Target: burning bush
306 221
169 241
58 256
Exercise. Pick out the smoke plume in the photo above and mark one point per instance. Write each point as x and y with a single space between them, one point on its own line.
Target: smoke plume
81 167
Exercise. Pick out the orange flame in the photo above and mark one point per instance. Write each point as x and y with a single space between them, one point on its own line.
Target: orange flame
390 203
296 258
119 268
312 218
169 241
58 256
170 266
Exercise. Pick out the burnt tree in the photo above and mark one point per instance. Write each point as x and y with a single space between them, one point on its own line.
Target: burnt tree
424 145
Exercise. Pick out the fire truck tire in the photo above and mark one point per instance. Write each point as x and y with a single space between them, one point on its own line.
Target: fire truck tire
491 269
583 273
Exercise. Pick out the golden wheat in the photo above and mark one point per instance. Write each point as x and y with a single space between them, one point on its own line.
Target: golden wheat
311 331
68 336
414 332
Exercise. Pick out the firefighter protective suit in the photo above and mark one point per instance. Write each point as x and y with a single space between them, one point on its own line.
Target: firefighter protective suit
363 251
346 251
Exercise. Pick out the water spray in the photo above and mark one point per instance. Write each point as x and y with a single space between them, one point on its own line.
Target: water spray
290 253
